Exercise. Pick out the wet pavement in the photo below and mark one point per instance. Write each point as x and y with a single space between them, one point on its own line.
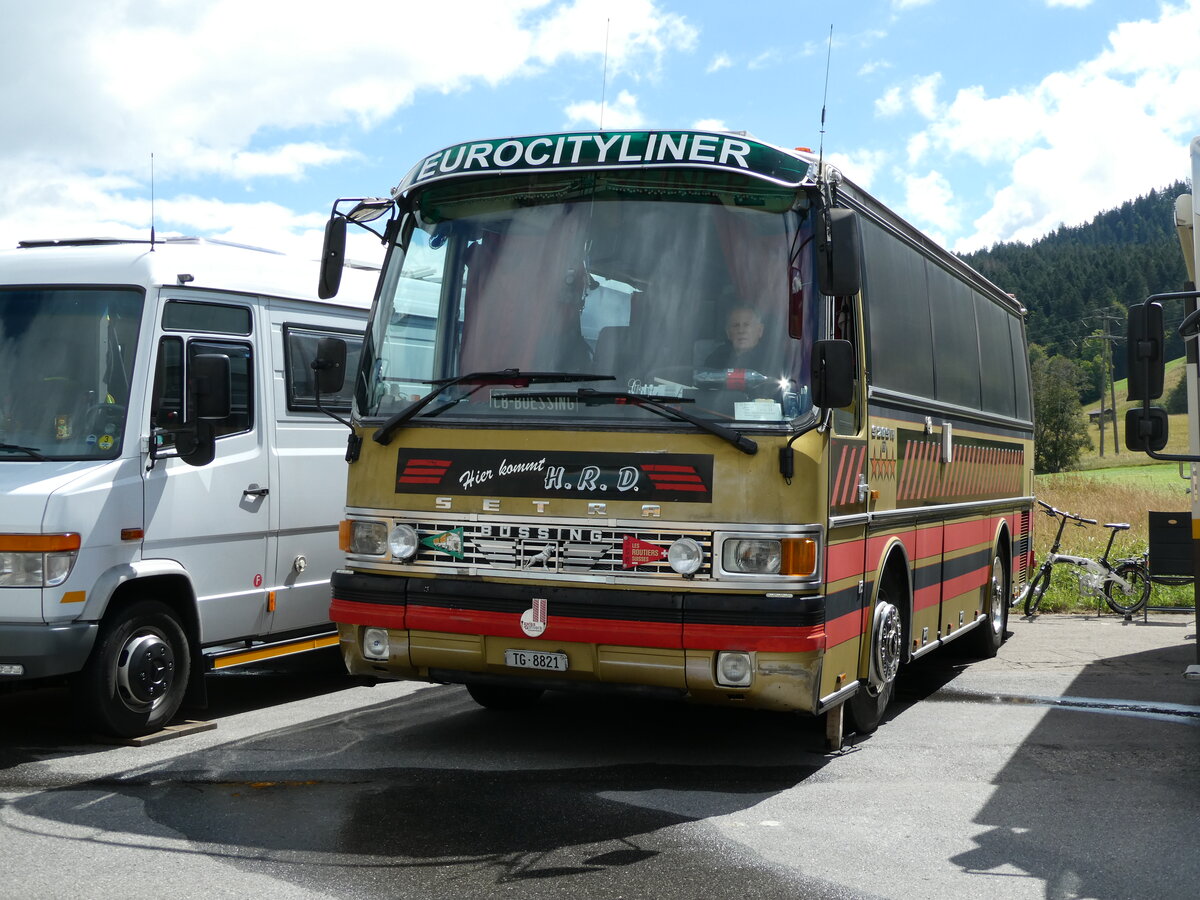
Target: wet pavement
1069 766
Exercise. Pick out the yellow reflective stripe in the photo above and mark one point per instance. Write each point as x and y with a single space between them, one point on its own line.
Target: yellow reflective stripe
235 659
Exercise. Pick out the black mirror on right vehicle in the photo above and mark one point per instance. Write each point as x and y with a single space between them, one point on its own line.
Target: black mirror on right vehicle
1146 429
330 365
333 257
1145 349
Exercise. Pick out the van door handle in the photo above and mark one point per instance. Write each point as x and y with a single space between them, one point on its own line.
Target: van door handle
255 491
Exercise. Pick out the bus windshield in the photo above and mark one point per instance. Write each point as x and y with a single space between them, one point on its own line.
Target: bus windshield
689 288
66 364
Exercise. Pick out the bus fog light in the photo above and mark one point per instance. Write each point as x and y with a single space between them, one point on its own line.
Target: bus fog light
403 542
734 669
685 556
375 643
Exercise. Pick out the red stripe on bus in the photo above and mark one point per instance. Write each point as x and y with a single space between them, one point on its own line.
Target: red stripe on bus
350 612
558 628
844 628
803 639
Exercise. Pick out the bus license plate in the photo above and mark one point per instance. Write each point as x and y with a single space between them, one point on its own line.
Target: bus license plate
535 659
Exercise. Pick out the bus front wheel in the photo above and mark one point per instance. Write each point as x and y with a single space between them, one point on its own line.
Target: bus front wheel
866 708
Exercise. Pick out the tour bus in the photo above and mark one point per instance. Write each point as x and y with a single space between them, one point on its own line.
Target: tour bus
678 412
171 489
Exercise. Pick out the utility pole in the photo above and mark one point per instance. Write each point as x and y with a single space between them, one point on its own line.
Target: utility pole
1107 358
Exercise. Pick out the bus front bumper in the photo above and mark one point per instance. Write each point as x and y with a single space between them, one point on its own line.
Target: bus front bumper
464 631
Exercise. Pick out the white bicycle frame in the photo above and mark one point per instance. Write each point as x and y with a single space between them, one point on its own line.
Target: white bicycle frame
1100 574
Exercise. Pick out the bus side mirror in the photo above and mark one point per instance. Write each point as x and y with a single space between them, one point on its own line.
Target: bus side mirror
839 254
330 365
833 374
1145 349
333 257
1146 429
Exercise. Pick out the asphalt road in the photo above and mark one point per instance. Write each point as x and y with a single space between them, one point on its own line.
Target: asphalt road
1069 766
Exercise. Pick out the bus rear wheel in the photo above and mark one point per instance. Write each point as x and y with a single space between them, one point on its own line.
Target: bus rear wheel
985 642
866 708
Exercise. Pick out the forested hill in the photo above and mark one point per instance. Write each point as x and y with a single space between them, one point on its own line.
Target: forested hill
1070 278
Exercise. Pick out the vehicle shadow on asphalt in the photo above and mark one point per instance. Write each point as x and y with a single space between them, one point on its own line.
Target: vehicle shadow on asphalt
1100 799
474 799
41 720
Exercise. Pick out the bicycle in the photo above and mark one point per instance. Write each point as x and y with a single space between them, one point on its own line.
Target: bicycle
1124 583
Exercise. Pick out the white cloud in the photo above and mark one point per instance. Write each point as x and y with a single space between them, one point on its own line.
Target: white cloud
870 68
1072 4
860 166
929 202
719 62
620 113
710 125
1079 141
244 91
891 103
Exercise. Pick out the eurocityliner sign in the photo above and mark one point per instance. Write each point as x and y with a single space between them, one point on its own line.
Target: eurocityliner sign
612 149
575 474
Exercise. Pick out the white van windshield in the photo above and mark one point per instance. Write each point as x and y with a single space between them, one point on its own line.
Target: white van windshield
66 364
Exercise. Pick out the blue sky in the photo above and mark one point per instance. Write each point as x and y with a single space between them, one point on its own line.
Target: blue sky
979 122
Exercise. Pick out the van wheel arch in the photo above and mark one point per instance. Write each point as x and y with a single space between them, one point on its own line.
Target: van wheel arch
145 659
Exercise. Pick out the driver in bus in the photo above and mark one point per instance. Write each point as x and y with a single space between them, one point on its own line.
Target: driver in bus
743 332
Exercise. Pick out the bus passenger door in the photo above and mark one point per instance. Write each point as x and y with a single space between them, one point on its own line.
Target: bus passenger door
850 571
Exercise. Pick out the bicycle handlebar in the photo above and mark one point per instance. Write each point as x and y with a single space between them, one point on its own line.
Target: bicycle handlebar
1079 520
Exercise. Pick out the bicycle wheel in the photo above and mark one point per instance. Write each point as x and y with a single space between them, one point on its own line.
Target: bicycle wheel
1128 602
1036 590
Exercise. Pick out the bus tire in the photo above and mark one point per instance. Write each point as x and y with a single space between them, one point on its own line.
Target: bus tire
865 710
504 698
989 634
137 674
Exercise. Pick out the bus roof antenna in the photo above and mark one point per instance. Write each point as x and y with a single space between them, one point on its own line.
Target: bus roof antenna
824 98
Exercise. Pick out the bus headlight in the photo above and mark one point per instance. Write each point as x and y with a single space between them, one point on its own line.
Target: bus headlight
751 556
403 542
365 538
685 556
769 556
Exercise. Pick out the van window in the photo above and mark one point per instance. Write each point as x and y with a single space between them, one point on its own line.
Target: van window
170 377
180 315
299 350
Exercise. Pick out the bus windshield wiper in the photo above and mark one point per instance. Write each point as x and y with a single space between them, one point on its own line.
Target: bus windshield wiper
512 377
33 452
591 397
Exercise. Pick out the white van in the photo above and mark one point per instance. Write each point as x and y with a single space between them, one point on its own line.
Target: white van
169 488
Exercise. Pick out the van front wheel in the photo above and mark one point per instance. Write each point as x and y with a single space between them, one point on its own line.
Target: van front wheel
136 677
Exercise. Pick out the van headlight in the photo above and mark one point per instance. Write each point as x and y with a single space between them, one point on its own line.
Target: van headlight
37 560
